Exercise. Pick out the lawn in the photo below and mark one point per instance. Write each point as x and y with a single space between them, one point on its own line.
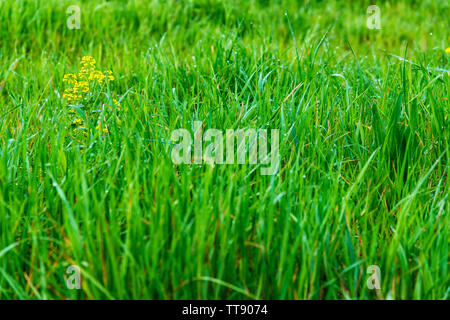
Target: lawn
88 181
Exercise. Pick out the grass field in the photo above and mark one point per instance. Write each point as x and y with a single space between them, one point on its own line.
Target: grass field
363 116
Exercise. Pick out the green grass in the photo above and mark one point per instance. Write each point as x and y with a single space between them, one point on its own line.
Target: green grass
364 146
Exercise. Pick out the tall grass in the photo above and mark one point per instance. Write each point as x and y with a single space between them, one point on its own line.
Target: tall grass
364 144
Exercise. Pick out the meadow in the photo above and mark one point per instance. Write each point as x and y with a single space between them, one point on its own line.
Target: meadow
363 116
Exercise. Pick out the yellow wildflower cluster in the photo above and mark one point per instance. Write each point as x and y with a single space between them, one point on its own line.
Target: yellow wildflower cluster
83 86
81 82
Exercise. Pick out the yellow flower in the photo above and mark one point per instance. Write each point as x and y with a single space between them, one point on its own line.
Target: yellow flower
79 86
71 96
82 86
70 78
97 75
447 50
77 122
88 61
